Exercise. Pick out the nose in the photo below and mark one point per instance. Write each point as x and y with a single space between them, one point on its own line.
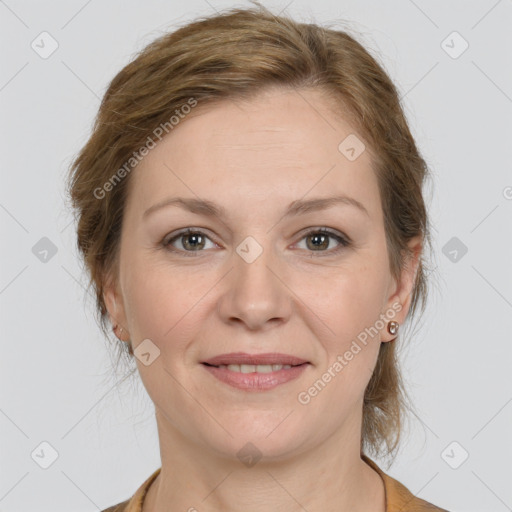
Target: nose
255 292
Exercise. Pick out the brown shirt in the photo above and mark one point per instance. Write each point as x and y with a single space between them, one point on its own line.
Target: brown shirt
398 497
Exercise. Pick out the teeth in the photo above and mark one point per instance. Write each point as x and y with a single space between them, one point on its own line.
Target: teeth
255 368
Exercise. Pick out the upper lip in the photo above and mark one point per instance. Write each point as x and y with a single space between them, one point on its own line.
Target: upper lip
256 359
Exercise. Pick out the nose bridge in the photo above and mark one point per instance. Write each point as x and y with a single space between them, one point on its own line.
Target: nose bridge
255 293
253 263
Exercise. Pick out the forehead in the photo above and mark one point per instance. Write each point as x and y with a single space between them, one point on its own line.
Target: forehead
281 145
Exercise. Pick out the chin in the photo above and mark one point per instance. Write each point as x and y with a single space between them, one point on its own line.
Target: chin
259 435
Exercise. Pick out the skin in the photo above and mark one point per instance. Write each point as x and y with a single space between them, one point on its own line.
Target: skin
254 158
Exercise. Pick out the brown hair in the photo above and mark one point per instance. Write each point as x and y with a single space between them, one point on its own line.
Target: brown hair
233 55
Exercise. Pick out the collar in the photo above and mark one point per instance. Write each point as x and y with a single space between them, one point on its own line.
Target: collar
398 497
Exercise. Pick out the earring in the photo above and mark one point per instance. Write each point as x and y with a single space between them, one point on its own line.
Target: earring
393 327
120 330
130 349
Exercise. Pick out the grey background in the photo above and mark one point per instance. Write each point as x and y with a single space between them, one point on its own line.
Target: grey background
56 384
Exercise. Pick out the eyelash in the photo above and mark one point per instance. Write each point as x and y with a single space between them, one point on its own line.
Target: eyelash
343 241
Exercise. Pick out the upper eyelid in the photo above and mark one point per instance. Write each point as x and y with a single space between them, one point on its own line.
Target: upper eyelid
186 231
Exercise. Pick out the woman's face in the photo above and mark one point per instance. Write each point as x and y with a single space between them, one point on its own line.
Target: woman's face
258 278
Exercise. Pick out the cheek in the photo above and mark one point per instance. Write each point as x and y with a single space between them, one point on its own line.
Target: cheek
162 301
361 297
149 297
354 301
352 344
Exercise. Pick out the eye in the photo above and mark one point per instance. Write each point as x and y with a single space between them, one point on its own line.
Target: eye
194 241
191 241
318 240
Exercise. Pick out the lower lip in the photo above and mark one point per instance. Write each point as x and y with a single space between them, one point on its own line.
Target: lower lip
256 381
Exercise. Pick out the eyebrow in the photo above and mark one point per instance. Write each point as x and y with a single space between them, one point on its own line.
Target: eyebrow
298 207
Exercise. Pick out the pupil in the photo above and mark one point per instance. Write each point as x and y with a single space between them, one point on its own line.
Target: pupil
194 238
318 238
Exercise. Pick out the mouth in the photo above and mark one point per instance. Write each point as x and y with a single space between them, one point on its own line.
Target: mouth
257 372
243 359
254 368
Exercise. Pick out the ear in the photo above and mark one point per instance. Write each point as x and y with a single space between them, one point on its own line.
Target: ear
400 298
115 306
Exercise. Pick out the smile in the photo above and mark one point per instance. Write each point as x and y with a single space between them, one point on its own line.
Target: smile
256 377
254 368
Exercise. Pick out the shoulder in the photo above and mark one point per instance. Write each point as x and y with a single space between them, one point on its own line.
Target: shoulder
134 503
120 507
398 497
402 499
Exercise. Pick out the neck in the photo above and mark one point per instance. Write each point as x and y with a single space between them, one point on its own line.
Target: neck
194 478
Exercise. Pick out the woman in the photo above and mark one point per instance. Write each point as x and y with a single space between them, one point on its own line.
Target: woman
250 211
